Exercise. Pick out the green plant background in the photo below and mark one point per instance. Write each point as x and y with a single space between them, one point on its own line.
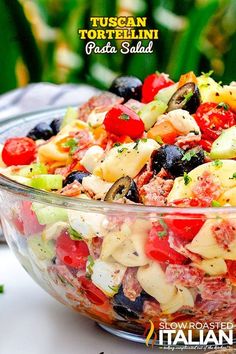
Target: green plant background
39 40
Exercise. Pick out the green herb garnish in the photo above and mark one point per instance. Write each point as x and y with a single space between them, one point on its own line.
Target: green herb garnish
188 155
187 179
208 74
215 204
218 163
223 105
117 144
162 233
114 288
72 144
233 176
122 150
74 235
159 140
1 288
144 140
90 264
188 96
124 116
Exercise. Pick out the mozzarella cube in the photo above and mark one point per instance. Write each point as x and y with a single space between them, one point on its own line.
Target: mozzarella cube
92 157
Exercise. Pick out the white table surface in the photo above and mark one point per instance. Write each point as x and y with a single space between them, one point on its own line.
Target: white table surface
31 322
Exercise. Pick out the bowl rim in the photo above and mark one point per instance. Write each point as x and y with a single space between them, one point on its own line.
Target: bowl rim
95 206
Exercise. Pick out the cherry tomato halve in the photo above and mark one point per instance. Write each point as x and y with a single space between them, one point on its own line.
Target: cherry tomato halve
70 252
121 120
186 226
158 248
18 151
153 84
212 118
231 266
94 295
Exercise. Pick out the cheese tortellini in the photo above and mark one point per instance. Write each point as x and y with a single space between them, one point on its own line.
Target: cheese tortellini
171 298
126 160
127 246
205 243
221 172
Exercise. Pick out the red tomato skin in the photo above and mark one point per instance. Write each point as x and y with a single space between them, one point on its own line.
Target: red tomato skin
158 248
153 84
70 252
231 266
186 226
121 120
18 151
94 295
212 119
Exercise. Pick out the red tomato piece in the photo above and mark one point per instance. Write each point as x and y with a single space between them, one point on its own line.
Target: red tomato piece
231 266
94 295
186 226
18 151
205 144
212 118
26 221
70 252
121 120
158 248
153 84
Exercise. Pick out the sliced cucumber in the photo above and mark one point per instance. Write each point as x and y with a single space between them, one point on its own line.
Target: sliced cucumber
43 250
47 182
166 93
224 147
70 116
33 170
49 214
151 111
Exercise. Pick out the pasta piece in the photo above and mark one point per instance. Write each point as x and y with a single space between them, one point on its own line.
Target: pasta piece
222 173
183 297
107 276
215 266
112 241
131 250
153 281
92 158
126 160
228 197
182 121
95 185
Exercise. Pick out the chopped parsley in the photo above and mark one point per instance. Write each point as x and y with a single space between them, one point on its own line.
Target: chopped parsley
233 176
215 204
90 264
1 288
144 140
188 155
188 96
187 179
117 144
207 74
72 144
217 163
114 288
74 235
124 116
163 233
223 105
122 149
159 140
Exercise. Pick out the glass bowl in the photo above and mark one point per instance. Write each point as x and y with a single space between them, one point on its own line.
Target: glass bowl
126 292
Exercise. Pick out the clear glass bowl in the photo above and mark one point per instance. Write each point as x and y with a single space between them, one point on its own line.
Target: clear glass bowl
170 302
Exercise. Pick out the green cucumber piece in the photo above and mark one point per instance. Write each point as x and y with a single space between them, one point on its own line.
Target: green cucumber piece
151 111
49 214
70 116
224 147
166 93
33 170
47 182
43 250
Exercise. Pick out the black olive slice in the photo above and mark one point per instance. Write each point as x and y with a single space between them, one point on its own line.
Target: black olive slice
75 176
123 187
186 97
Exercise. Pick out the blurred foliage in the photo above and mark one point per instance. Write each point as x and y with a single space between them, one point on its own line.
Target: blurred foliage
39 40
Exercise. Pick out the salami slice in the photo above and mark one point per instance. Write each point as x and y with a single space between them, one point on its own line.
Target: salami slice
184 275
